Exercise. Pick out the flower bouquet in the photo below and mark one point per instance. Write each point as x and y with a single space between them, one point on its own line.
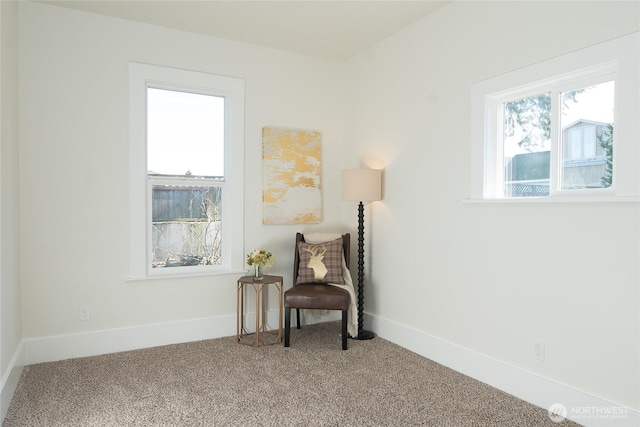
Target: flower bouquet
259 258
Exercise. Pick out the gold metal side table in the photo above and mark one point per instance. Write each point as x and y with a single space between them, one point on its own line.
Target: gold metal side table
261 336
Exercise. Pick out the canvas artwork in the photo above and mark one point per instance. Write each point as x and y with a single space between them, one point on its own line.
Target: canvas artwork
291 176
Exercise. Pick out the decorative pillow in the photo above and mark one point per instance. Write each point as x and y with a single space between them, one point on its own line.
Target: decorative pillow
321 262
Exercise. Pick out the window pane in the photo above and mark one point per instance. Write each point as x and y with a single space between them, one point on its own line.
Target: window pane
185 133
526 146
186 225
587 137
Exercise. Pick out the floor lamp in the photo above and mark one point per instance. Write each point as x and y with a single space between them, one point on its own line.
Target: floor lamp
361 185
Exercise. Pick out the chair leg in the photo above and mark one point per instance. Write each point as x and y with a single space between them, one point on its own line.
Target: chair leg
298 318
287 325
344 329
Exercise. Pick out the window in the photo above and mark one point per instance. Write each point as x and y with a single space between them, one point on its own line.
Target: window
186 172
559 128
582 150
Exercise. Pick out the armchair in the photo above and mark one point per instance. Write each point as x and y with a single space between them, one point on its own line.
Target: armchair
315 266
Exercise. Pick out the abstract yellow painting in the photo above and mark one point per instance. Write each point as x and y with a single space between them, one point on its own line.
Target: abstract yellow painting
291 172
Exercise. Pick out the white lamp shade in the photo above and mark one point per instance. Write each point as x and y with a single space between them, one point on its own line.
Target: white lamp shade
362 185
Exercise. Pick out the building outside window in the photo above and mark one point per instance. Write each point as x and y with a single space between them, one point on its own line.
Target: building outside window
582 151
587 155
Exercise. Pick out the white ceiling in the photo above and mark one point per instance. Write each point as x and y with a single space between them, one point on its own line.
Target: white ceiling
328 29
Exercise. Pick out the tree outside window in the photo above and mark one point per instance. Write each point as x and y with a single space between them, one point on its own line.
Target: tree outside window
584 145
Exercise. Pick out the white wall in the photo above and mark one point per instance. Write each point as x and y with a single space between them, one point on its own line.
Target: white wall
492 279
487 279
73 171
10 316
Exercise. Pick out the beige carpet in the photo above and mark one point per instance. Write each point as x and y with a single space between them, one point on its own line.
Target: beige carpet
221 383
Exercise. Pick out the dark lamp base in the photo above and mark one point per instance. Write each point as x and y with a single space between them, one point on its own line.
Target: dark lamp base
363 335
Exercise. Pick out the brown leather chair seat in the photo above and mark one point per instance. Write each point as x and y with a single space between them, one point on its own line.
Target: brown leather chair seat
314 295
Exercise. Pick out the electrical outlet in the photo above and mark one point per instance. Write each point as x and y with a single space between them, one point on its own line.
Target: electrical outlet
538 350
85 314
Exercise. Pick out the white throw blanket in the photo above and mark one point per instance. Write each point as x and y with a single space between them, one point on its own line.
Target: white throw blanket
352 316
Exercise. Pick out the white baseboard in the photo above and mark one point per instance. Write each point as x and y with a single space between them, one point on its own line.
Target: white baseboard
581 407
61 347
10 380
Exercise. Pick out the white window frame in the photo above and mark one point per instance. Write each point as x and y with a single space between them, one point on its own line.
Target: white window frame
613 60
141 77
495 179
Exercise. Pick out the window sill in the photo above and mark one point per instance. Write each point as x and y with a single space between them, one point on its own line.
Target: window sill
184 276
553 200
